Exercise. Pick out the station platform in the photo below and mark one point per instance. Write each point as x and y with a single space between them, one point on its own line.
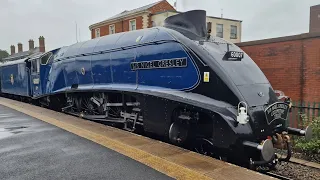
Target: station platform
33 149
37 143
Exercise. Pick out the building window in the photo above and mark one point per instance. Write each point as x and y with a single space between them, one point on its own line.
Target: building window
233 32
112 29
209 26
153 24
132 25
97 32
220 30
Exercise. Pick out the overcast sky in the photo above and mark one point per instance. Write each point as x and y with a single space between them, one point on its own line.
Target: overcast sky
21 20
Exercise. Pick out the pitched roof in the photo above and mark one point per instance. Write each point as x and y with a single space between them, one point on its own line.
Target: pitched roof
21 55
126 13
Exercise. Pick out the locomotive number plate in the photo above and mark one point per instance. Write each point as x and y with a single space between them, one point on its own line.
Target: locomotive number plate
278 110
234 55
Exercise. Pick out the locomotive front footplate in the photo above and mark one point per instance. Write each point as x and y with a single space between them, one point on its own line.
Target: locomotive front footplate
279 139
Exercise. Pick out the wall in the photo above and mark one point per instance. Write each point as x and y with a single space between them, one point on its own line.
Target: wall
120 25
292 64
311 90
160 7
158 19
226 28
143 20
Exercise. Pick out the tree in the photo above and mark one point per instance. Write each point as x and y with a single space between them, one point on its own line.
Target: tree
3 54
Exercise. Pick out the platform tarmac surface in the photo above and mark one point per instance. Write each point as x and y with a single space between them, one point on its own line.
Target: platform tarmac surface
33 149
53 145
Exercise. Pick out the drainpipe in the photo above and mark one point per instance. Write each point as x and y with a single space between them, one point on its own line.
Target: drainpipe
122 24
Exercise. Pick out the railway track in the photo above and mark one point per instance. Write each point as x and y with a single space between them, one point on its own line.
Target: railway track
277 176
297 169
305 163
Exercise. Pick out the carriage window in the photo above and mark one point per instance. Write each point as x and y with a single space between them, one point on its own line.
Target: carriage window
35 66
45 59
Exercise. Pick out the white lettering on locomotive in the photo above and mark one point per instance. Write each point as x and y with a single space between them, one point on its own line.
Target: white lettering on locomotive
234 54
166 63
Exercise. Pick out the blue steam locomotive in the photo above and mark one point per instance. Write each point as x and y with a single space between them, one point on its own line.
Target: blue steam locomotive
175 81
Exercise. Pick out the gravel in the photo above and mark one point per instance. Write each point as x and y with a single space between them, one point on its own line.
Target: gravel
297 172
311 157
299 155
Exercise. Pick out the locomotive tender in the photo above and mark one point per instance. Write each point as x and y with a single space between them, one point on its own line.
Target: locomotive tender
174 81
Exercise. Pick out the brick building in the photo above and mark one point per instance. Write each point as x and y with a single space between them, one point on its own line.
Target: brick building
154 15
291 63
129 20
23 54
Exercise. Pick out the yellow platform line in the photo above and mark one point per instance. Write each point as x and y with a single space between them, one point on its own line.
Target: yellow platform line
162 165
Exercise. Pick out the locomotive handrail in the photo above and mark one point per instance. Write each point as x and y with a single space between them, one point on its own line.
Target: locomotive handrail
117 49
8 63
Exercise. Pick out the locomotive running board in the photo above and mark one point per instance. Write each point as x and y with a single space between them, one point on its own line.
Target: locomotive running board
103 118
98 118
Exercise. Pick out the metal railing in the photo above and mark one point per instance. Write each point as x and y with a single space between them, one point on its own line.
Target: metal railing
310 110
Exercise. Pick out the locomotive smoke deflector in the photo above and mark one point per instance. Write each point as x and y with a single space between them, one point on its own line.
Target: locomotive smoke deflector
192 24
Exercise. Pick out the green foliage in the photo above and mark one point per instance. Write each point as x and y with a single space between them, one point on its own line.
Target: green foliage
3 54
312 146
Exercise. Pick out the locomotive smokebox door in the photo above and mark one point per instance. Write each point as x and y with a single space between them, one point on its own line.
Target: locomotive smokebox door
277 111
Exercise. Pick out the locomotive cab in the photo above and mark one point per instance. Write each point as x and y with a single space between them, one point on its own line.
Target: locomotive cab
38 68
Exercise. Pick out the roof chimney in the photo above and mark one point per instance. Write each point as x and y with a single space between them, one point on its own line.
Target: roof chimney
31 44
13 49
314 25
19 47
41 44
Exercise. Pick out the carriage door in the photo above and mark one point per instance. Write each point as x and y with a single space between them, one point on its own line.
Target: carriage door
35 77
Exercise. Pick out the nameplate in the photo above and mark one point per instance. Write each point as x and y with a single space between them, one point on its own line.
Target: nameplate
156 64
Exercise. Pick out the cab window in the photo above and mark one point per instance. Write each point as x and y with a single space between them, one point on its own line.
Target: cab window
45 59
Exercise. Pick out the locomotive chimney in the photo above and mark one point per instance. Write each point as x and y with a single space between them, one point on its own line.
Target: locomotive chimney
19 47
41 44
13 49
31 44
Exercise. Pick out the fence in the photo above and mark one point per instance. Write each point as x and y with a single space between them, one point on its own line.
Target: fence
309 109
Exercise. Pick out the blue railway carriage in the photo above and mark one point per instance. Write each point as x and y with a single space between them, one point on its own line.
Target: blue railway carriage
15 78
197 91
